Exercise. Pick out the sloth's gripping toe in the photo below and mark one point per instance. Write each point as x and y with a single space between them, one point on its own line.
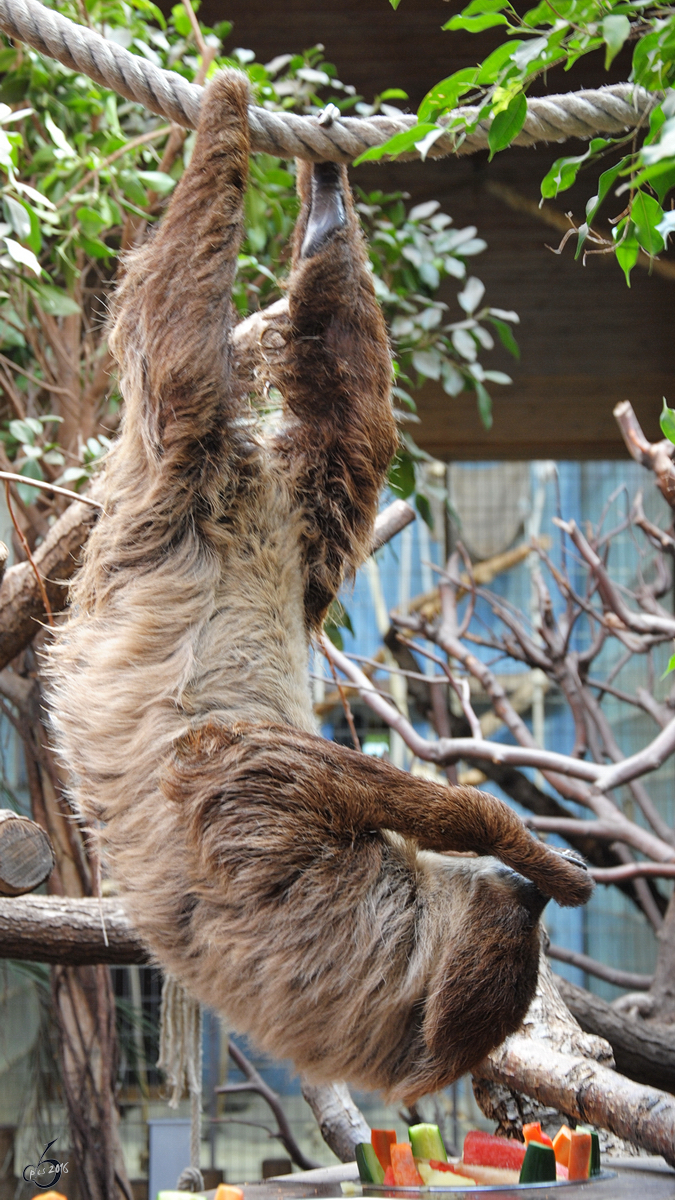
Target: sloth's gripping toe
327 214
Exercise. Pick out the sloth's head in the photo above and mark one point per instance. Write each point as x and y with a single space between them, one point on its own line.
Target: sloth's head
488 977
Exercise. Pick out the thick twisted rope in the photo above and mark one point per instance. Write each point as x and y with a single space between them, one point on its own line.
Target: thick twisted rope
288 135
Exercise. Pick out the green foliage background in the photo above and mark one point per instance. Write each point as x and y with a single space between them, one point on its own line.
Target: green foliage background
641 174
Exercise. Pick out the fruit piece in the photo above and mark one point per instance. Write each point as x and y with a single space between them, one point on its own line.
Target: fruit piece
426 1142
596 1164
227 1191
579 1164
405 1171
539 1164
370 1167
382 1141
561 1144
560 1171
533 1133
488 1150
489 1175
442 1166
443 1178
389 1177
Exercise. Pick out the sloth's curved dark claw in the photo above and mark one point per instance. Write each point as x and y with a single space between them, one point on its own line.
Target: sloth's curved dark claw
327 214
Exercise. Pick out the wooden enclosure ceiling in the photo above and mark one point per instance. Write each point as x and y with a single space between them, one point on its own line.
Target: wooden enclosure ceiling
587 341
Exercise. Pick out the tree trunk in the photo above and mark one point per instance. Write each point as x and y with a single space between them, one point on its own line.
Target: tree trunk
85 1007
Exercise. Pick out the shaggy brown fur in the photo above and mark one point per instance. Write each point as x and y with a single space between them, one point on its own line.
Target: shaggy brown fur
285 880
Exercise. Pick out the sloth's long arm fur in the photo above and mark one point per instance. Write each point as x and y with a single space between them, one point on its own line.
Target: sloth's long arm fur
282 878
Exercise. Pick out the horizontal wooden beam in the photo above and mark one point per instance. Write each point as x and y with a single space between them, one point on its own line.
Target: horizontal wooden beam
558 417
58 929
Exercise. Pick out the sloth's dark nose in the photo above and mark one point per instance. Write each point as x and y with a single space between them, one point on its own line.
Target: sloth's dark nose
527 892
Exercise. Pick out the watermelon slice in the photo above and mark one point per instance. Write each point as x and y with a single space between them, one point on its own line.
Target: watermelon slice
488 1150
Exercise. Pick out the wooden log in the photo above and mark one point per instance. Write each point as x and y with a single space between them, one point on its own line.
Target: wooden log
643 1051
59 929
21 606
586 1091
26 855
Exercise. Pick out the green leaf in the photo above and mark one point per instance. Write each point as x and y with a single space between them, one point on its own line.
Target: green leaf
484 405
604 184
475 24
670 667
95 248
506 337
647 214
561 175
22 432
54 301
158 181
485 6
32 470
444 95
493 64
615 30
666 421
21 255
424 509
394 4
627 251
593 205
133 188
18 217
397 144
64 149
91 221
401 477
507 124
394 94
660 177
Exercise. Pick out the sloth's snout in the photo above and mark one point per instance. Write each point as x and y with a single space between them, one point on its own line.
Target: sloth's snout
527 892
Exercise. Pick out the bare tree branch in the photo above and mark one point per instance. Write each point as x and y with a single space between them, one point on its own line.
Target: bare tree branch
256 1083
625 979
447 750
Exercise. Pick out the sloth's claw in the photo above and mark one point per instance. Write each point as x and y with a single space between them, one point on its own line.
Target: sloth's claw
327 214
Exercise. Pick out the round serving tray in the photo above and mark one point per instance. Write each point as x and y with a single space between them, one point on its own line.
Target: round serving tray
506 1189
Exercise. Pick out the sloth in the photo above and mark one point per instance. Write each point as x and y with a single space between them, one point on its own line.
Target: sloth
302 889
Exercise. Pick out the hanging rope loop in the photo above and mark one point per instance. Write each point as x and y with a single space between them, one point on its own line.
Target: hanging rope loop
289 135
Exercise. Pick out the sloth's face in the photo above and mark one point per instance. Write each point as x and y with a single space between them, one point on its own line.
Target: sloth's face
487 979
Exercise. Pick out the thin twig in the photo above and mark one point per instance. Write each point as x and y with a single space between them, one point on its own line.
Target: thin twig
29 556
143 138
624 979
255 1083
48 487
346 706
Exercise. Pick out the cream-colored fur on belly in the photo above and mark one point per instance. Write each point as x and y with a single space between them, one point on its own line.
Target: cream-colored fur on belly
196 636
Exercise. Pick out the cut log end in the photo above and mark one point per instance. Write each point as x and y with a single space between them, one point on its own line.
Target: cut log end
26 855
